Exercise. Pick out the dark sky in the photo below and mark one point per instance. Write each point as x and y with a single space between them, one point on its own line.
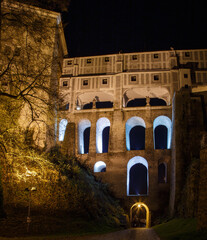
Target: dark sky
107 26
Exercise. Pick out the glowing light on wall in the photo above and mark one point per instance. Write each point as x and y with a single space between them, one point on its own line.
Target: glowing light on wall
131 163
62 127
82 125
164 120
100 125
100 167
132 122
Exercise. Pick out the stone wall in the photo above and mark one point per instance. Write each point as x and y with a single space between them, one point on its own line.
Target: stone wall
202 200
117 157
188 122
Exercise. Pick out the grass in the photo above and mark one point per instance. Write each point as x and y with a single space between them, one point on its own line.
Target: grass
180 229
68 228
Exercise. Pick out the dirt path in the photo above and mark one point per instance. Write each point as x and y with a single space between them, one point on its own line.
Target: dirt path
128 234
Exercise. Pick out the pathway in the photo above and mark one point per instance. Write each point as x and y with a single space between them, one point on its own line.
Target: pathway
128 234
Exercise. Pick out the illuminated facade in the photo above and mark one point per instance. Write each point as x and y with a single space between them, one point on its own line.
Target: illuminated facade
121 105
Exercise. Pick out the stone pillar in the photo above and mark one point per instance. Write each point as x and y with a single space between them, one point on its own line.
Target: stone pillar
92 142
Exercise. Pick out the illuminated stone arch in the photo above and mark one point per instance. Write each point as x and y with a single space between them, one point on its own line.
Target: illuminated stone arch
162 172
86 99
100 166
62 127
83 126
141 93
142 183
103 124
165 124
130 124
137 205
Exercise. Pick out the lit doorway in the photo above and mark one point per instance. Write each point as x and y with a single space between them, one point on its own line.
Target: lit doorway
139 215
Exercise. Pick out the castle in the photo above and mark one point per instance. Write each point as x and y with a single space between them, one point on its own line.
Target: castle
117 116
134 118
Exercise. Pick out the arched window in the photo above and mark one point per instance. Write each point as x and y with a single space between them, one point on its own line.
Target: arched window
162 128
162 173
62 127
135 134
100 167
137 177
84 135
102 135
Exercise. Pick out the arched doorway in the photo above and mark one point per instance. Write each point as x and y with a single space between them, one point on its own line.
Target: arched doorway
140 215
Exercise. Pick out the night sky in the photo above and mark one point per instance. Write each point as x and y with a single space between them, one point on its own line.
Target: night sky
109 26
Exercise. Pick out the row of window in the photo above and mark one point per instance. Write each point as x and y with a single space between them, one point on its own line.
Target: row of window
133 57
104 81
135 134
137 175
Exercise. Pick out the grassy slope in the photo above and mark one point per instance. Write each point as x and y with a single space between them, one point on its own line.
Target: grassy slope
180 229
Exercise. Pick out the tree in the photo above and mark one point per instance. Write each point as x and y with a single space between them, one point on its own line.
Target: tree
31 48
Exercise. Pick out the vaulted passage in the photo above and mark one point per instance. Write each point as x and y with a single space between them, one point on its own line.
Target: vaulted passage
98 105
105 139
137 138
84 127
137 102
102 135
100 167
157 102
160 137
138 180
162 128
135 133
86 139
137 177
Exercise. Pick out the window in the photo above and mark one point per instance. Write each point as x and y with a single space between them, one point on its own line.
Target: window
65 83
85 82
156 55
106 59
187 54
88 60
69 62
134 57
185 75
133 79
156 78
104 81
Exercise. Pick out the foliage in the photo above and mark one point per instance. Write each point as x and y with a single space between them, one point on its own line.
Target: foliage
29 68
180 229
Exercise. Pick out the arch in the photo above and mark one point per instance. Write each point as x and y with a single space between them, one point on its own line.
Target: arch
130 124
83 135
162 173
138 205
166 122
141 93
100 166
103 100
62 127
102 135
138 167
